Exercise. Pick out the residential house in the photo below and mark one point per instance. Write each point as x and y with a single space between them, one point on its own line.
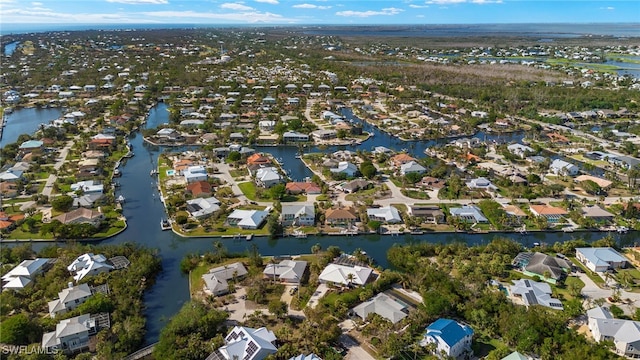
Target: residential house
355 185
71 335
202 207
552 213
81 216
199 189
258 159
168 134
11 175
302 187
388 214
311 356
248 344
290 271
481 184
294 136
21 275
535 293
195 173
88 187
247 219
469 213
516 356
429 213
601 259
603 183
86 200
8 222
401 159
412 167
324 134
89 264
8 189
341 216
561 167
30 145
266 125
467 143
385 306
88 168
345 275
451 338
297 215
267 177
625 334
558 138
431 183
597 213
549 268
69 299
520 150
345 167
216 280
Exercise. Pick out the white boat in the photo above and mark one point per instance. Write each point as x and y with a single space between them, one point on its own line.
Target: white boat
120 199
165 224
622 229
153 172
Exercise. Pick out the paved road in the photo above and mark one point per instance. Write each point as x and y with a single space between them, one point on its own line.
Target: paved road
48 187
592 292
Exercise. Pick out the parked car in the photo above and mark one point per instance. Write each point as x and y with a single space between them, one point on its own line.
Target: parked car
293 290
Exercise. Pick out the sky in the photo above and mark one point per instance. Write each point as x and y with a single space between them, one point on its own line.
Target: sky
308 12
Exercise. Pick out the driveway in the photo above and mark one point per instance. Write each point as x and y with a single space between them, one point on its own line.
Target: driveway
287 297
354 350
317 295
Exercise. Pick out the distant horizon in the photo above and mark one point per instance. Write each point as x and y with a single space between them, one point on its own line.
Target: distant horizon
629 29
306 12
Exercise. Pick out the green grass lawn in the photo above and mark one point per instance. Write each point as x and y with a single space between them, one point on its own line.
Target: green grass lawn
564 290
238 173
415 194
294 198
248 189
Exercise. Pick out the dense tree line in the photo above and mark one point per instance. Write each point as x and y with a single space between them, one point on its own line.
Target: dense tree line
453 282
22 313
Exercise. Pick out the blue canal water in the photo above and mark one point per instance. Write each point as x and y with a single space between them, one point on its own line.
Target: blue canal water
26 121
10 48
144 211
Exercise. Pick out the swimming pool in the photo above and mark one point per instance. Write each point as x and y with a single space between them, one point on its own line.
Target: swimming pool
171 172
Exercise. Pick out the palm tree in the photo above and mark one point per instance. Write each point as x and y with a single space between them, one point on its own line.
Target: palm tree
350 278
315 249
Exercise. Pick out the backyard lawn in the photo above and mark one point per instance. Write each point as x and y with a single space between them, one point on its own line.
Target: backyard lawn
248 189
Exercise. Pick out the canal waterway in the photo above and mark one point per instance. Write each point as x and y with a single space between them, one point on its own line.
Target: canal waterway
26 121
10 48
144 211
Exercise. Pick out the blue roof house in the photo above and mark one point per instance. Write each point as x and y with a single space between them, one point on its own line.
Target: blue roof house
450 337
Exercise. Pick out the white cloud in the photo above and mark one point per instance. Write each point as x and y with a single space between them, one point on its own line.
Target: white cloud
51 17
481 2
446 2
272 2
140 2
241 17
36 4
452 2
311 6
236 6
414 6
383 12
